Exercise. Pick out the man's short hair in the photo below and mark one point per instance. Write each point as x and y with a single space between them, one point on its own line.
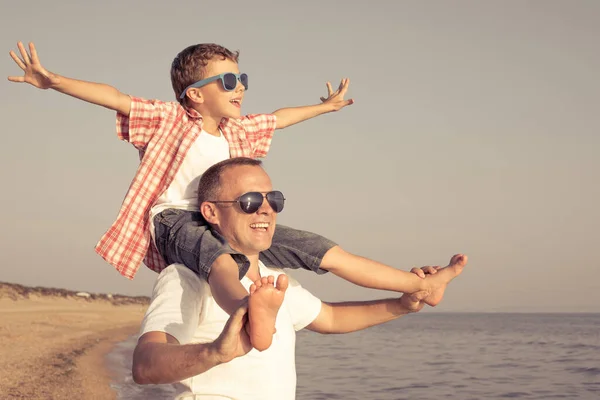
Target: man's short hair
189 65
210 182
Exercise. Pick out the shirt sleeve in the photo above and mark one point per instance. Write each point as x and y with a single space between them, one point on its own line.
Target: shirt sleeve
303 306
175 305
144 119
259 129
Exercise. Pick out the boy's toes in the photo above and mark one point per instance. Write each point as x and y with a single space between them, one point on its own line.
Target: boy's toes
459 260
282 282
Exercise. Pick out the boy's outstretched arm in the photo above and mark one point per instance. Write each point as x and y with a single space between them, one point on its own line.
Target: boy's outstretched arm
96 93
333 102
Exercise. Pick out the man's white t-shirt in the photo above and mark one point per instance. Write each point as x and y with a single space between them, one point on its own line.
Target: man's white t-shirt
182 306
182 193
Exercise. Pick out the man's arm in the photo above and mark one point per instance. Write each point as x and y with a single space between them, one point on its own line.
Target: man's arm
353 316
159 358
334 102
96 93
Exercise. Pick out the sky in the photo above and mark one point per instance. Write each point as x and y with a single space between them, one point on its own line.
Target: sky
474 130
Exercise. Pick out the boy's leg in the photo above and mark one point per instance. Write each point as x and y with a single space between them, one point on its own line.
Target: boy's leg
294 248
375 275
184 237
263 306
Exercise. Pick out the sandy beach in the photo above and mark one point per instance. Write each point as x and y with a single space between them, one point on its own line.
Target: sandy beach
53 341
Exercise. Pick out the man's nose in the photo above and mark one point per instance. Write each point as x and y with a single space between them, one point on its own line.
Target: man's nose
265 207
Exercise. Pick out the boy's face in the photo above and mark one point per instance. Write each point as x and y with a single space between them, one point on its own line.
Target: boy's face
246 233
217 102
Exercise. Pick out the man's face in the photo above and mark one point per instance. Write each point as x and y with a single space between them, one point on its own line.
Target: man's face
219 103
247 233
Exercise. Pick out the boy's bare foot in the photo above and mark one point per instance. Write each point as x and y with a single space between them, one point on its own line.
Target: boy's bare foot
263 304
440 280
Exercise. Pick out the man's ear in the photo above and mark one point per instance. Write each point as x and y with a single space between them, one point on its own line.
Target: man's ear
195 95
209 212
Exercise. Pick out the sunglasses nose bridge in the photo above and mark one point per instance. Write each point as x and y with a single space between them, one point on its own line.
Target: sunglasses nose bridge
239 87
265 207
242 80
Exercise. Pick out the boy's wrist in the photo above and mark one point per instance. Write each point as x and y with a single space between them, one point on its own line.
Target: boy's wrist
55 81
326 107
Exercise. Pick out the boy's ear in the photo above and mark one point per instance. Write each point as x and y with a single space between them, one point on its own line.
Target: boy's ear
195 95
209 212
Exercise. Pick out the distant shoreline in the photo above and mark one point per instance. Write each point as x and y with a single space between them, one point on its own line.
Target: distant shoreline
15 291
54 341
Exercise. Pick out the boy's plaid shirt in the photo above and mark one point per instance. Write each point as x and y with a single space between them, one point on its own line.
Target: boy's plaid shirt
163 133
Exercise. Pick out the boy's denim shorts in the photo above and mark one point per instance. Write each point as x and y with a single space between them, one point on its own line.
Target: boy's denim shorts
184 237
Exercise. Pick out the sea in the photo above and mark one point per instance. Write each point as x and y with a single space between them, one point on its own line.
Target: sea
431 356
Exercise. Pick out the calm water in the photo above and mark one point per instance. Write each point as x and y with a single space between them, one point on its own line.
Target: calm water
437 356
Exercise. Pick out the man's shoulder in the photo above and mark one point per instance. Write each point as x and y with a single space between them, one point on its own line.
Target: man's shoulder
270 270
179 274
292 282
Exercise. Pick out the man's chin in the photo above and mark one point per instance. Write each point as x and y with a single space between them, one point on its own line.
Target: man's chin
263 246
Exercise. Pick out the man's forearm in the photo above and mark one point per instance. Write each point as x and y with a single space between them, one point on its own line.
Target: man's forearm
158 363
293 115
354 316
95 93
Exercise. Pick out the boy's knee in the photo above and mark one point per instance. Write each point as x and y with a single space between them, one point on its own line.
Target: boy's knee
333 257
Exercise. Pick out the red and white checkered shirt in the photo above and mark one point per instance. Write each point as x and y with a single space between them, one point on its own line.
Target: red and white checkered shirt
163 132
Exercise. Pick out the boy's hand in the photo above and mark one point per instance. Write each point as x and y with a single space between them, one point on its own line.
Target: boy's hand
336 99
35 74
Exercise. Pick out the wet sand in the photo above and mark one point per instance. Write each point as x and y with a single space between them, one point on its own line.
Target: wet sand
53 342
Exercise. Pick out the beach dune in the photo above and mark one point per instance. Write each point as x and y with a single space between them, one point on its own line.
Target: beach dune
53 342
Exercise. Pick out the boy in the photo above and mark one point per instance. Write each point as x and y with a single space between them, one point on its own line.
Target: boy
177 143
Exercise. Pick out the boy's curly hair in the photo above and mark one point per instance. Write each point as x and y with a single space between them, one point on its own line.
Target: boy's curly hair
189 65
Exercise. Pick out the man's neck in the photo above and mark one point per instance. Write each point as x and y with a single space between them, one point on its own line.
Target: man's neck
253 272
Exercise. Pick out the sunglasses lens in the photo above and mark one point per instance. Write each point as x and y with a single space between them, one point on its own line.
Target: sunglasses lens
244 80
229 81
276 200
250 202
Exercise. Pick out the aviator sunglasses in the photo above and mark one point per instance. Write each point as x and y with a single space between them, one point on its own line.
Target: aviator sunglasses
250 202
228 80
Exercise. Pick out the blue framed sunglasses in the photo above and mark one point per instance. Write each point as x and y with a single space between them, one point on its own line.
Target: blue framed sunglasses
229 81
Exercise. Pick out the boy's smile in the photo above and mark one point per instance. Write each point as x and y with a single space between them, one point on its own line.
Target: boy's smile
237 101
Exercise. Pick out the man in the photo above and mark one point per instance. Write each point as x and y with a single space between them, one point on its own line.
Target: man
187 338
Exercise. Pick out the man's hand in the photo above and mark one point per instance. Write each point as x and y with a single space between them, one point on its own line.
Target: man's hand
234 341
413 302
336 99
35 74
424 271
